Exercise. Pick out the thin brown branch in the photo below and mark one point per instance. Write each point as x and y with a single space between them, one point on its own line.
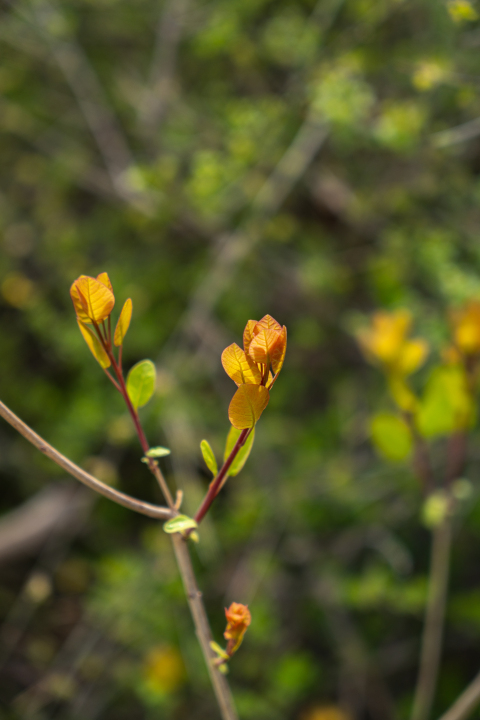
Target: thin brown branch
434 620
153 511
202 628
466 702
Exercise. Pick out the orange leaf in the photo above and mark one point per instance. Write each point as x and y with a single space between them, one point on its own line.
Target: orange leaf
248 334
240 367
94 344
277 355
92 298
267 323
123 322
103 278
77 304
265 345
247 405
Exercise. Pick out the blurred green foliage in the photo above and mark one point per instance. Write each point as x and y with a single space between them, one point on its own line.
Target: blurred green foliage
137 138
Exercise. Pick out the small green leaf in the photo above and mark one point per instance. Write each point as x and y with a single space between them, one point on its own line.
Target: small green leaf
391 436
219 650
446 405
156 452
180 524
209 457
242 454
141 383
435 509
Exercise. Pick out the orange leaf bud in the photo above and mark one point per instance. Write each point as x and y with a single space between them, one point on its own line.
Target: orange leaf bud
238 619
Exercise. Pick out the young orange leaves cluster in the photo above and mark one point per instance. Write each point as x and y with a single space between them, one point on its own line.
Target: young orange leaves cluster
93 300
254 369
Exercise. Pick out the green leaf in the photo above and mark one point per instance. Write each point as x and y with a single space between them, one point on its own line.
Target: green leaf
141 383
219 650
242 454
209 457
446 405
180 524
391 436
156 452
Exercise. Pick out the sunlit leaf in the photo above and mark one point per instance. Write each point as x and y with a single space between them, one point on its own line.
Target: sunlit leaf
141 383
93 301
446 405
265 344
247 405
179 524
391 436
239 366
209 457
95 345
77 304
123 323
103 278
278 354
157 452
267 323
248 334
243 453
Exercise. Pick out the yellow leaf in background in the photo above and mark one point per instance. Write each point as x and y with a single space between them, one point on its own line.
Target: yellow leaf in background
461 11
412 356
239 366
164 670
94 344
325 712
103 278
402 394
278 354
383 340
265 344
466 328
248 334
92 298
247 405
123 323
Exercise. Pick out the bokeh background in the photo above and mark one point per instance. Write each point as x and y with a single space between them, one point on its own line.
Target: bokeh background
224 159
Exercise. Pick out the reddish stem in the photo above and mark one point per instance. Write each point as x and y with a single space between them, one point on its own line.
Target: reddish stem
216 484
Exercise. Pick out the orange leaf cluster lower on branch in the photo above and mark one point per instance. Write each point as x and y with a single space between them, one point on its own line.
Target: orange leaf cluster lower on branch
254 369
238 619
